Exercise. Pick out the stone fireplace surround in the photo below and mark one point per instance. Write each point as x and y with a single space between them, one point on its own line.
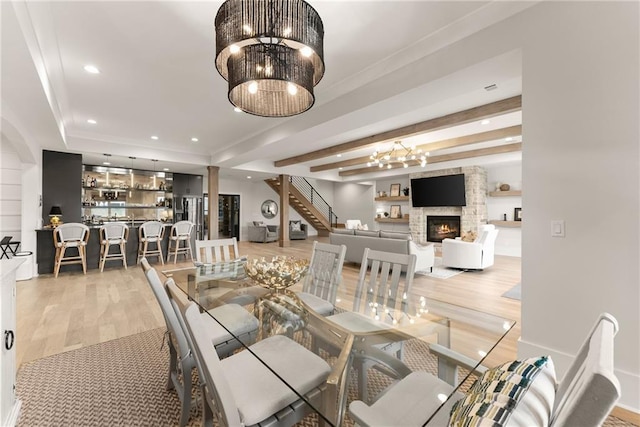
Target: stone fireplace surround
472 216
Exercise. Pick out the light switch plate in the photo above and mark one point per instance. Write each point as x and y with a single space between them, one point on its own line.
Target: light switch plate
557 228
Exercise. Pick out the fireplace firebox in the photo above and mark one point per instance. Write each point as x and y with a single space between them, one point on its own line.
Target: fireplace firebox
441 227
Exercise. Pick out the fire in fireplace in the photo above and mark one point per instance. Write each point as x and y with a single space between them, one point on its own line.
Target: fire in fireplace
441 227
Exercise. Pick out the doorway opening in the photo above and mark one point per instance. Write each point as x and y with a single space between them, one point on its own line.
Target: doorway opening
229 216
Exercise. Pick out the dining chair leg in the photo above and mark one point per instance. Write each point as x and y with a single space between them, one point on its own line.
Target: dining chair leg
123 251
102 247
175 251
83 256
59 255
160 252
186 397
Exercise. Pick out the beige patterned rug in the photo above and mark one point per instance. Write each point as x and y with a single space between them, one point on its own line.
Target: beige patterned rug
123 383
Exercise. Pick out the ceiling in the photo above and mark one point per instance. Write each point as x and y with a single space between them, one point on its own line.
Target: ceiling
157 78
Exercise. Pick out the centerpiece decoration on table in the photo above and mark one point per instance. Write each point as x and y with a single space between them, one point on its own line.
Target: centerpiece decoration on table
278 273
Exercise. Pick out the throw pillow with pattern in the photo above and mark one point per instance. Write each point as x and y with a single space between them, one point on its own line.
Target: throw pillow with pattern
503 395
296 226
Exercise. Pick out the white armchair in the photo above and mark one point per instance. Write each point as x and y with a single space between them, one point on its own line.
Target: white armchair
471 255
425 255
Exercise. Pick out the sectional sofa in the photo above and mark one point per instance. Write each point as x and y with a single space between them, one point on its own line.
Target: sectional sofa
357 240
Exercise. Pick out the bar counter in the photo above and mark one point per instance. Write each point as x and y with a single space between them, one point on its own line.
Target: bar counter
46 252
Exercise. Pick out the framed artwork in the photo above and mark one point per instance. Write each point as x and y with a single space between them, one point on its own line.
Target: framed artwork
395 211
269 209
517 214
395 190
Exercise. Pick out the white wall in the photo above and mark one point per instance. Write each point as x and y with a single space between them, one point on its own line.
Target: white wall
509 240
354 201
20 187
581 165
10 191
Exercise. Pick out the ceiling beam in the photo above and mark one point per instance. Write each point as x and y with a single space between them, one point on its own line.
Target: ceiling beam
501 149
477 113
476 138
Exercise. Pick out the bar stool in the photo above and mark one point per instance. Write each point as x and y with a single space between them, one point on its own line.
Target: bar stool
115 233
180 232
150 232
70 235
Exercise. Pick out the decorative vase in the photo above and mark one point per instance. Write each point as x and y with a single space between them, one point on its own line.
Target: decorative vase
505 187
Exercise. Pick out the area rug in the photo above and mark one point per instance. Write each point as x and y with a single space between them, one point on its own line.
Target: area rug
514 293
123 383
439 271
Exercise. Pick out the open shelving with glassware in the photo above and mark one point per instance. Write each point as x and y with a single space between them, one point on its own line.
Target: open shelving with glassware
123 194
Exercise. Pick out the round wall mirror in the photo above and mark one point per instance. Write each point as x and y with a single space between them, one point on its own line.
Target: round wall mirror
269 209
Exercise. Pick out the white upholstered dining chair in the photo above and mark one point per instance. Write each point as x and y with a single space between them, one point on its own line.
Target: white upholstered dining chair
241 391
217 250
583 398
181 361
381 281
320 285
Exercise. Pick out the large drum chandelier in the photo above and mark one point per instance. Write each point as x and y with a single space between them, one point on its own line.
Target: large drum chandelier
271 53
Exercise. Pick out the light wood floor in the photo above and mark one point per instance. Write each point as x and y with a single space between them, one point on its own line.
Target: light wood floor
76 310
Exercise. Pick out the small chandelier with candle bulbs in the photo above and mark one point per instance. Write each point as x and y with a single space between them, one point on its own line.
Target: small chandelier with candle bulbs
398 155
271 53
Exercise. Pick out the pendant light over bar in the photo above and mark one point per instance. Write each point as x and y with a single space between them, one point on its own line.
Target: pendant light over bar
271 53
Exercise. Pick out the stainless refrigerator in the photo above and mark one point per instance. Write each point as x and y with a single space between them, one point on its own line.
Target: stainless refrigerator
190 208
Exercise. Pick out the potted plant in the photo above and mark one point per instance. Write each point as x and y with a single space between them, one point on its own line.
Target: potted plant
405 191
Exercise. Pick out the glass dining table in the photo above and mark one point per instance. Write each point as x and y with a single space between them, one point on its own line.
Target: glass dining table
433 336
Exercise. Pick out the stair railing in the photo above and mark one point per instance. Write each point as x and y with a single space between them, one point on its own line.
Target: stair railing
307 190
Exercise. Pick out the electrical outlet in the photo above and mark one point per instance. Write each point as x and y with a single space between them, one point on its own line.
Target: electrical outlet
557 228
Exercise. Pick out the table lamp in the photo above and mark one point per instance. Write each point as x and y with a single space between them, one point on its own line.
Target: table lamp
54 213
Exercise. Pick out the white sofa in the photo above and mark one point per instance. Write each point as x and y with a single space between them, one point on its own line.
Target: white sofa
476 255
357 240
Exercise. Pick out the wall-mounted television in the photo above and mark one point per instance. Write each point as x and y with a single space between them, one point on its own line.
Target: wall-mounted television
447 190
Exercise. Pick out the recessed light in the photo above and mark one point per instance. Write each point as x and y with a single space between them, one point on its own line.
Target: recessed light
485 122
91 122
92 69
509 139
154 137
165 169
194 139
248 176
338 155
106 163
339 168
237 110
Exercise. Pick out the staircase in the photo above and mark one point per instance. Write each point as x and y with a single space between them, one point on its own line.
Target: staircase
308 203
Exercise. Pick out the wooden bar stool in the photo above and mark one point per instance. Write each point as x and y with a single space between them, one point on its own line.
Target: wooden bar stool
115 233
180 233
71 235
150 232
